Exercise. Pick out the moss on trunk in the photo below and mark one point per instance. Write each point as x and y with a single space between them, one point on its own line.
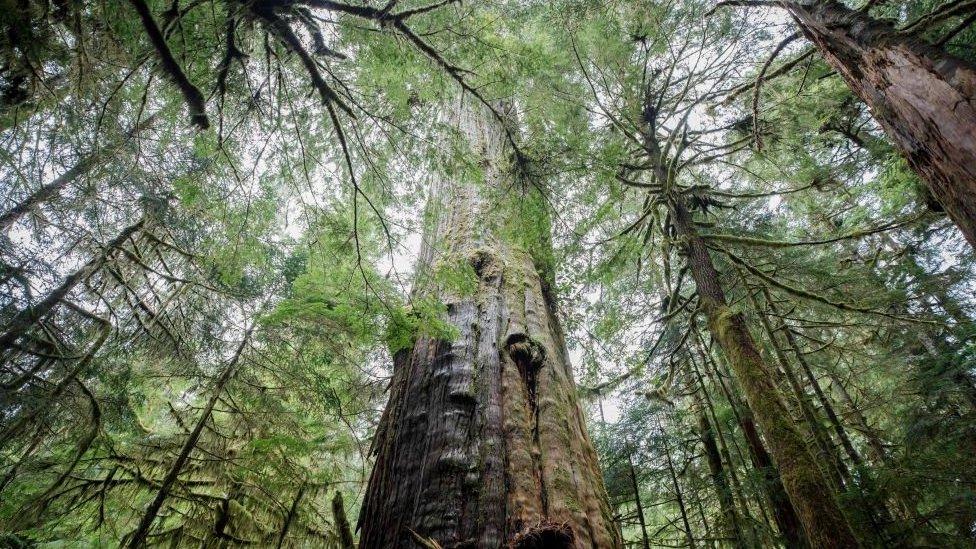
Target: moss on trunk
483 442
808 490
923 97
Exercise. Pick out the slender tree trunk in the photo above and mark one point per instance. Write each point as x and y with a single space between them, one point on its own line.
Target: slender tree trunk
923 97
346 540
783 513
878 451
87 163
719 477
725 450
482 443
811 494
28 316
723 480
825 445
293 512
825 403
679 496
138 537
638 501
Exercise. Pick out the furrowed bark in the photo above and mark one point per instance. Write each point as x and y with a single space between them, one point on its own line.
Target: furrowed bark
482 443
810 493
923 97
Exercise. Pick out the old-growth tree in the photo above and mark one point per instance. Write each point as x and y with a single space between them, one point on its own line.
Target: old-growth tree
483 442
262 260
923 96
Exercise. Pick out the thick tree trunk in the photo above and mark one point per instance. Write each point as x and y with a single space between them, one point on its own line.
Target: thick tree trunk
810 492
482 443
923 97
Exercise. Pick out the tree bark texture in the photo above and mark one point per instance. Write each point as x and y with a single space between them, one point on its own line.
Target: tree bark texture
783 512
719 479
483 442
921 95
808 490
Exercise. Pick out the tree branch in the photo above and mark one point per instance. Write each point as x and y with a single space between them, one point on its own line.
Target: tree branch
191 94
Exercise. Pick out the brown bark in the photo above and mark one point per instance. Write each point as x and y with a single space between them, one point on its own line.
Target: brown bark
346 541
482 443
921 95
814 383
878 452
719 477
678 495
809 491
783 512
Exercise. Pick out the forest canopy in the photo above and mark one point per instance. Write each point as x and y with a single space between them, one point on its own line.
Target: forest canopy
445 274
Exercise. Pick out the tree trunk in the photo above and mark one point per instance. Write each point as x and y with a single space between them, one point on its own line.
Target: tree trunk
293 512
719 480
783 512
138 537
346 540
482 443
27 317
678 495
85 165
810 492
922 96
645 543
833 465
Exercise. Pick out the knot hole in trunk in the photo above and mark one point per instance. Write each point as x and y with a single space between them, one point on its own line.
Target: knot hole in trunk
485 263
529 357
546 535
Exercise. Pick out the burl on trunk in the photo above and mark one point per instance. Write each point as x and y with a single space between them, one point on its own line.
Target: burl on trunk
483 442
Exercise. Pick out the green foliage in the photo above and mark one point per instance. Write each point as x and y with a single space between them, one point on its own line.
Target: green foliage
291 235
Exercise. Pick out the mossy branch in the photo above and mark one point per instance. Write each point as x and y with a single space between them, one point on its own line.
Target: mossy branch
751 241
843 306
778 71
191 94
